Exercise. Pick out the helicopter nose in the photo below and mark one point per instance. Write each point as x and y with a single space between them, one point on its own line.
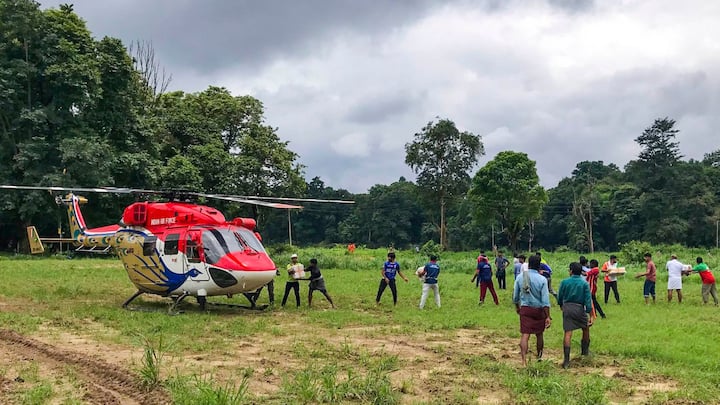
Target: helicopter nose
245 261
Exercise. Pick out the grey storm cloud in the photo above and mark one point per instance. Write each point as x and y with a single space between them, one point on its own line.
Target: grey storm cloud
380 107
210 35
348 83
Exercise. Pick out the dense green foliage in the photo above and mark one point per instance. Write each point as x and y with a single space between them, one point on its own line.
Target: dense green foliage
78 111
507 190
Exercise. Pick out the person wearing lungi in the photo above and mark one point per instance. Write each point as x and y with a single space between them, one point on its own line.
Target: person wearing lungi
575 302
532 303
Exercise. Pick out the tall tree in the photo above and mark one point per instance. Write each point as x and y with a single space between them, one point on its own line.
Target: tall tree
655 173
441 156
507 189
587 178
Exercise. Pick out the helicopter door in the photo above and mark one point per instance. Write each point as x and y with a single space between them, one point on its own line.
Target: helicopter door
194 257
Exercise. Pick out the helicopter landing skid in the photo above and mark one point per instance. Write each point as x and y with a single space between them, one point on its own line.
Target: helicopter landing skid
176 301
129 300
171 311
202 301
252 308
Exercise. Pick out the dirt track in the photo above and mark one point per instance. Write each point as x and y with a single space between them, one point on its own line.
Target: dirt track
100 381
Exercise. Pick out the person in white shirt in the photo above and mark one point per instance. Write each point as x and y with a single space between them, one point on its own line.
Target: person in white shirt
675 271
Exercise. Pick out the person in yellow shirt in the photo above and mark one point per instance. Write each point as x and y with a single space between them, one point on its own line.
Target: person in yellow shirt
295 271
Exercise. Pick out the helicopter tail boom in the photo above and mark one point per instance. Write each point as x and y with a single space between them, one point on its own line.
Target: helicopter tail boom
92 240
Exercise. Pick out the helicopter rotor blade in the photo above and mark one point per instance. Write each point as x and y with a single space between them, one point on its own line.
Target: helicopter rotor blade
249 201
70 189
272 202
317 200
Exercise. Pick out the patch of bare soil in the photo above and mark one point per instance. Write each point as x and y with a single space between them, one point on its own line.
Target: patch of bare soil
432 367
100 381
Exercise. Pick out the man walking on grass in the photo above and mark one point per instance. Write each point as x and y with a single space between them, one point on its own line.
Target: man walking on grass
576 304
592 277
532 303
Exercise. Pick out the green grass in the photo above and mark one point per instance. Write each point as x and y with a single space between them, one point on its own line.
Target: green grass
658 342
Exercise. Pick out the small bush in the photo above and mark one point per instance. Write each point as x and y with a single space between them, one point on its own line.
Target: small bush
633 251
431 248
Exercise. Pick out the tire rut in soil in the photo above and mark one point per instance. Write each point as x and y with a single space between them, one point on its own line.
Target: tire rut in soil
103 381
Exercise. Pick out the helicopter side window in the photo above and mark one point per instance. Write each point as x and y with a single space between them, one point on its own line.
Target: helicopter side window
192 251
171 244
149 246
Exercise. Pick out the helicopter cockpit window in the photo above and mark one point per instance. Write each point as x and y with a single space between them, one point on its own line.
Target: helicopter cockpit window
217 243
149 246
171 244
248 238
192 251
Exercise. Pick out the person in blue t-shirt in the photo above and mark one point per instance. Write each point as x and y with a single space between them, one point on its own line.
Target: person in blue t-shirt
484 276
431 273
391 268
546 271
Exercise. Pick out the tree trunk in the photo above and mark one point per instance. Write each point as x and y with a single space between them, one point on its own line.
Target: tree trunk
443 236
590 233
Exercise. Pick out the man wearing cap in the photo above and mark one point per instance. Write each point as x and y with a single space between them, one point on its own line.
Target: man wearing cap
390 269
316 282
675 270
295 271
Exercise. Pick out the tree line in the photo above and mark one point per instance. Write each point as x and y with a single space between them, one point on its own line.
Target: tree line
77 111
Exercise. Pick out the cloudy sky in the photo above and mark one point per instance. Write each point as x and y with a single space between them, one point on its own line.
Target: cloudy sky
349 82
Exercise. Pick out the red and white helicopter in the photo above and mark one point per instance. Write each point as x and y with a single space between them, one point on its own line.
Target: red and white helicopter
178 249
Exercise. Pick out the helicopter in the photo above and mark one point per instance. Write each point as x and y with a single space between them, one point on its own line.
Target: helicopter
175 248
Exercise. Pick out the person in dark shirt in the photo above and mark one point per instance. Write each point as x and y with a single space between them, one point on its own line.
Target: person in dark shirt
575 301
501 263
431 273
317 282
483 274
391 268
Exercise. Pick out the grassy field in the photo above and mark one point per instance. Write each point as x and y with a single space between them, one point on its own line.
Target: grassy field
360 352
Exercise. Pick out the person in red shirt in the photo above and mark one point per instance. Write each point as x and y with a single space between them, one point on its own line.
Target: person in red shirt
650 277
708 281
592 277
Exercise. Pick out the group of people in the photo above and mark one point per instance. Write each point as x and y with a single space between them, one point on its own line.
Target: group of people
676 270
532 288
295 272
428 274
576 298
